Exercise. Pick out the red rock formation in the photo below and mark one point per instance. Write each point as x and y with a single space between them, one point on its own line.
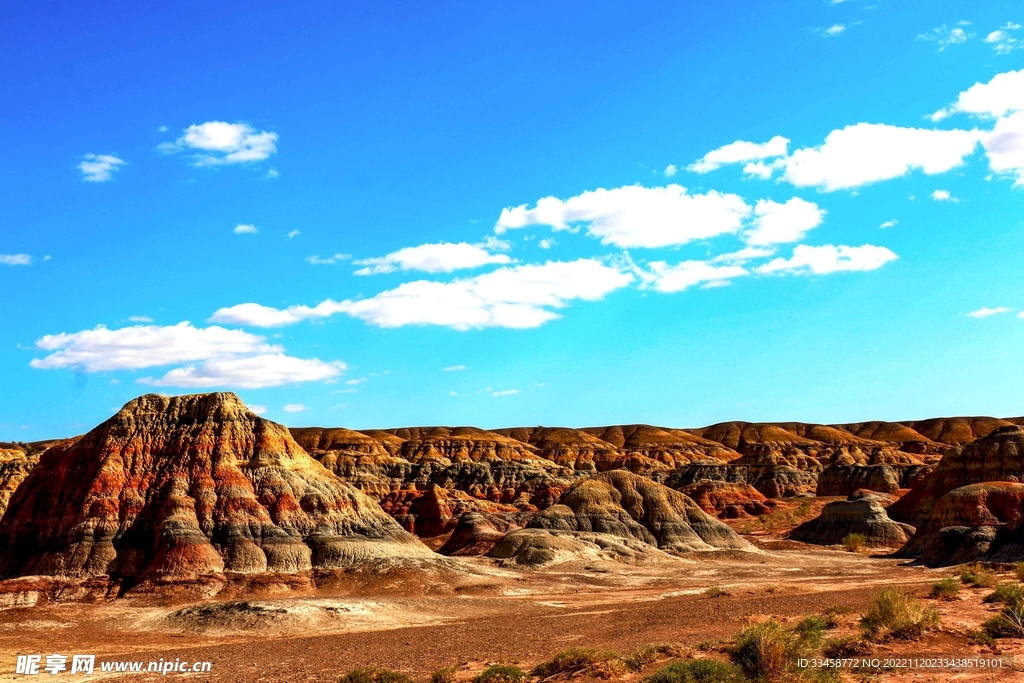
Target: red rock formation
437 511
733 499
172 489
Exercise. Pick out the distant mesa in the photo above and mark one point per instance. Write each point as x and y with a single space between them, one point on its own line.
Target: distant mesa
862 514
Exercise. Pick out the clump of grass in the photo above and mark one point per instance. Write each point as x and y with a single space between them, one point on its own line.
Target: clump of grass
769 652
697 671
842 648
978 576
897 615
979 637
854 543
648 654
946 589
575 660
811 629
501 673
833 615
705 646
716 592
374 676
445 675
1007 593
1007 624
1018 569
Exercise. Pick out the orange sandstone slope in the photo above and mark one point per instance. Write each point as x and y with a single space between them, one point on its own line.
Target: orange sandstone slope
171 489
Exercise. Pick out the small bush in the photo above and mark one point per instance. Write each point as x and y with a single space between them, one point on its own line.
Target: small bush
768 651
716 592
1006 593
697 671
597 663
946 589
705 646
648 654
976 575
501 673
374 676
854 543
833 615
842 648
811 630
1018 569
897 615
1007 624
980 638
445 675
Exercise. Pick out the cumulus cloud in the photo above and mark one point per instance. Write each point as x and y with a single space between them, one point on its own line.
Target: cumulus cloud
943 36
670 170
513 297
432 258
99 168
1005 147
294 408
246 229
330 260
829 259
833 30
215 356
943 196
635 216
216 143
663 277
986 312
15 259
870 152
776 223
1002 41
739 152
1002 95
257 408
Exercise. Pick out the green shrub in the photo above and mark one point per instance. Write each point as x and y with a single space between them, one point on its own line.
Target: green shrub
833 615
1007 624
946 589
854 543
769 652
445 675
1018 569
842 648
597 663
811 630
705 646
374 676
980 638
697 671
648 654
716 592
1007 593
501 673
978 576
897 615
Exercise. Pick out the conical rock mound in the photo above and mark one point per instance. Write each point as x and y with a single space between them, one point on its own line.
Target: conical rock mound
173 488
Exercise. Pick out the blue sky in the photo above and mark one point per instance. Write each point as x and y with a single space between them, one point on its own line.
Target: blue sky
512 214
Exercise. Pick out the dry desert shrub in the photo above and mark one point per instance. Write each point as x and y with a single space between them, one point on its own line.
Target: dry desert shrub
445 675
978 576
834 615
897 615
854 543
1006 593
1018 569
648 654
844 648
768 652
576 660
374 676
946 589
501 673
716 592
1009 623
697 671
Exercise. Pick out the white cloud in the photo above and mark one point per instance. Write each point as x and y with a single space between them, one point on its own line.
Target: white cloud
829 259
506 392
986 312
665 278
256 408
432 258
15 259
140 319
739 152
516 297
358 380
1005 146
1002 95
294 408
834 30
671 170
246 229
743 255
943 196
218 142
99 168
215 356
943 36
776 223
1002 41
454 368
889 224
869 152
546 243
316 260
635 216
273 173
293 234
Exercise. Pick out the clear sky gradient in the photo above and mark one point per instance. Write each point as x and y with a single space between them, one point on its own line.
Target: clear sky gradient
392 214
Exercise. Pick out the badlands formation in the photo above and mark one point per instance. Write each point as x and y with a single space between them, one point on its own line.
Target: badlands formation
192 515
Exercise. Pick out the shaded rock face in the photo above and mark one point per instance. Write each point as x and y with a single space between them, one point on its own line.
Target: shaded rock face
477 533
842 480
630 506
999 456
863 515
974 522
727 500
16 461
437 511
171 489
772 481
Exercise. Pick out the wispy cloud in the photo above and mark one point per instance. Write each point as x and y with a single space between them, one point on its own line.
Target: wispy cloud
889 224
256 408
293 234
833 30
808 260
454 368
294 408
506 392
140 319
986 312
944 37
15 259
671 170
738 152
443 257
246 229
1003 41
217 143
330 260
99 168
